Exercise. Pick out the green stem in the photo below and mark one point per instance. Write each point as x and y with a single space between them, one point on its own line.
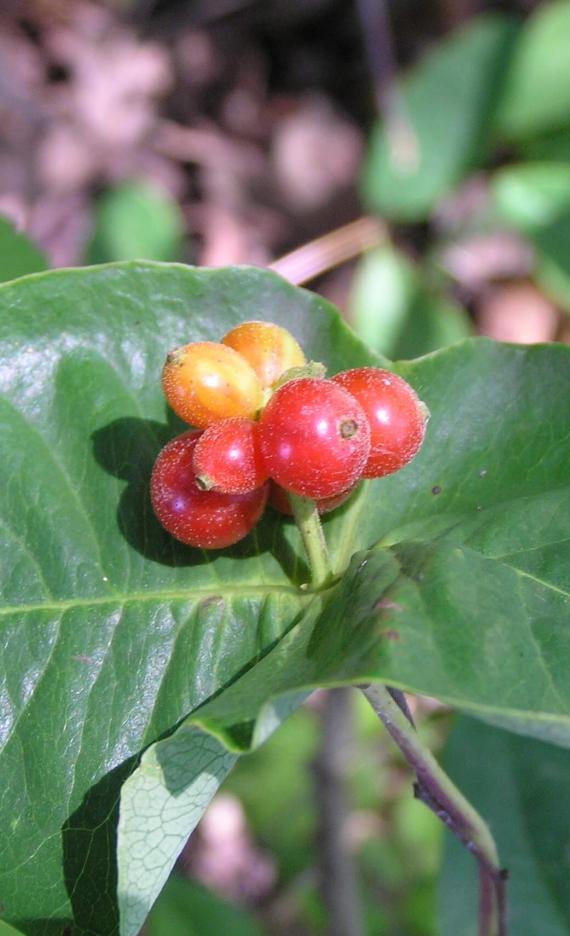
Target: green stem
309 525
439 793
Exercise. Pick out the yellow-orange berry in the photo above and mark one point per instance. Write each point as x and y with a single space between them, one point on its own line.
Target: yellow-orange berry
205 382
270 349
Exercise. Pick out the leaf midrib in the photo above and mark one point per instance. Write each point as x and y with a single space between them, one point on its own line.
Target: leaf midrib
154 596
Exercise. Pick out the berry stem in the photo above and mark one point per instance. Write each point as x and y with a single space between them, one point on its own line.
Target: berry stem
309 526
439 793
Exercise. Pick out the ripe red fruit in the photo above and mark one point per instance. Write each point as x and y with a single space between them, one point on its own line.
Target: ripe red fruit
279 500
205 519
228 458
315 438
396 415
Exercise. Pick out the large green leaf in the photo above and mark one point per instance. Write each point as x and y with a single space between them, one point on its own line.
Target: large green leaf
536 96
18 256
448 104
521 788
112 634
111 631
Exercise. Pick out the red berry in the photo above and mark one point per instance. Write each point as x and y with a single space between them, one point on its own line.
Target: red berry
315 438
279 500
228 458
205 519
396 415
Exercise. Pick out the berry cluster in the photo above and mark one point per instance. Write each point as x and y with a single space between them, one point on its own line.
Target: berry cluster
265 430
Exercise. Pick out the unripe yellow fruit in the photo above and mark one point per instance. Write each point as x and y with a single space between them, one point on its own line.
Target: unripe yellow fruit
269 349
206 382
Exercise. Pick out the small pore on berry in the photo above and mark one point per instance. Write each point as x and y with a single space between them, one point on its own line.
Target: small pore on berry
348 428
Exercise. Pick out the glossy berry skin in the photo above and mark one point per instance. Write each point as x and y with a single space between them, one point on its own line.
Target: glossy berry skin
228 458
396 415
205 382
204 519
315 438
269 349
279 500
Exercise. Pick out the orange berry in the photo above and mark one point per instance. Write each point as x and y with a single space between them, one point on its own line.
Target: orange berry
206 382
270 349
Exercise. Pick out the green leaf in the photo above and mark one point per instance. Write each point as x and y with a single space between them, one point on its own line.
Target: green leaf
521 788
18 256
532 195
552 147
161 804
552 244
136 221
7 930
535 199
552 250
490 520
394 311
112 634
276 780
186 909
444 129
536 95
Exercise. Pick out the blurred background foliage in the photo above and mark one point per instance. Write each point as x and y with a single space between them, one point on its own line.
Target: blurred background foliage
235 131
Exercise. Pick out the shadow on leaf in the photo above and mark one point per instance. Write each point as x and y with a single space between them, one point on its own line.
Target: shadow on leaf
89 854
127 449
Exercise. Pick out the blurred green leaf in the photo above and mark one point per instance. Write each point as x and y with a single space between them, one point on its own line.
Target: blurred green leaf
186 909
552 147
531 195
536 95
446 121
7 930
521 788
136 221
276 781
535 199
552 244
394 311
18 256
